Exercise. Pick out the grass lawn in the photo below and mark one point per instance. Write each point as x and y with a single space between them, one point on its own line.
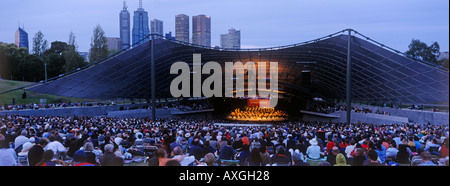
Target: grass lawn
32 97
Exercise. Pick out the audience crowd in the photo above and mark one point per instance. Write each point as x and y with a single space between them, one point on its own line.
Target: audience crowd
101 141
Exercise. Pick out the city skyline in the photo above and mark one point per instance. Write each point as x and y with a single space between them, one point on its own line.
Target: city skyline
264 24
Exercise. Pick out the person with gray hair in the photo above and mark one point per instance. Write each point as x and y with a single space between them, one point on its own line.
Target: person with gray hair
184 160
21 139
109 158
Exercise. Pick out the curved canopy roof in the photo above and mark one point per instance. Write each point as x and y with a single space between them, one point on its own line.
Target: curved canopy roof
379 73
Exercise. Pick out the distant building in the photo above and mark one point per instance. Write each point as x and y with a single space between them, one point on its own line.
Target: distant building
85 56
140 25
231 40
156 27
114 43
125 29
443 55
201 30
182 28
21 39
169 36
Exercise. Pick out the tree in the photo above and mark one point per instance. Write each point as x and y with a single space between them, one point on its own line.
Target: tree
73 59
39 44
99 48
424 52
55 59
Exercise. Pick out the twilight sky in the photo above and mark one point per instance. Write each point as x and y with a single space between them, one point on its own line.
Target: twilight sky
263 23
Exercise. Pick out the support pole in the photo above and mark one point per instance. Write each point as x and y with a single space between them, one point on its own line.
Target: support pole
349 78
45 71
153 81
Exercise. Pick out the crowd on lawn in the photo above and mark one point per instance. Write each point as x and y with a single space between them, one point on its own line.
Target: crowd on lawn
101 141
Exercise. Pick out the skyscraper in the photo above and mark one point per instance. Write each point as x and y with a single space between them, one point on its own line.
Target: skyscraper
140 25
124 21
156 27
201 30
182 28
21 39
231 40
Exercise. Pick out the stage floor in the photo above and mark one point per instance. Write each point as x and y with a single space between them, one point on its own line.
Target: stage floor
243 124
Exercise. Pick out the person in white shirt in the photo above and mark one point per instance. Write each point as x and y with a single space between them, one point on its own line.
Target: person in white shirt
392 150
313 151
350 148
20 140
55 146
178 154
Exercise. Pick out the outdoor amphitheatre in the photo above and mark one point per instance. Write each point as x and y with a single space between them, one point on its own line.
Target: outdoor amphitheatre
342 100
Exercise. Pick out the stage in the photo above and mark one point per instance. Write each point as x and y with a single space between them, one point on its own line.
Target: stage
243 124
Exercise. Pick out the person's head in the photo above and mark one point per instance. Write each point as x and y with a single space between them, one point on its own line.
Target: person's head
24 133
173 163
161 153
372 154
324 163
43 142
335 150
209 159
88 146
48 155
177 151
340 159
80 156
280 150
109 148
426 156
296 157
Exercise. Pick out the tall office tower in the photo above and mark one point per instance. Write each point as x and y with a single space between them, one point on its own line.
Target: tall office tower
140 25
182 28
231 40
125 29
201 30
156 27
21 38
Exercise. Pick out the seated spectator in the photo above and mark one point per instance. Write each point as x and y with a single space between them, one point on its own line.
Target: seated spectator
47 159
280 158
56 146
350 148
392 151
359 157
7 154
109 158
209 160
340 160
244 154
254 159
179 153
331 158
171 163
433 148
381 152
373 159
298 159
444 148
426 159
226 152
403 156
313 151
80 159
195 149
